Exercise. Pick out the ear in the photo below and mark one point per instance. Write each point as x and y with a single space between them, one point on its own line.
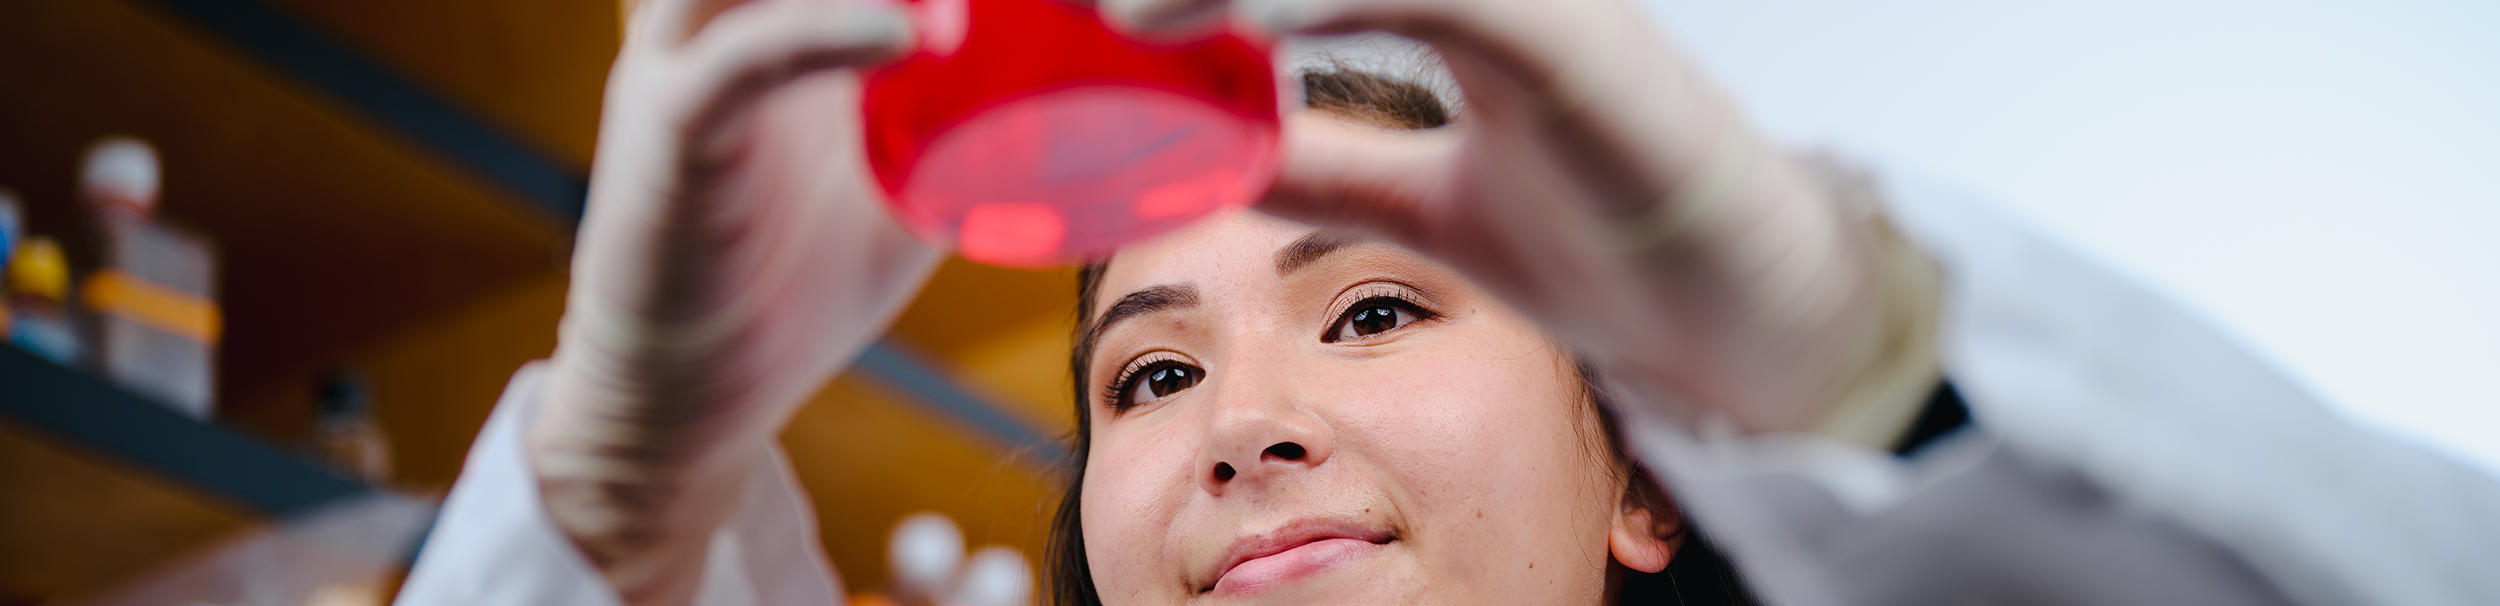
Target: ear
1642 539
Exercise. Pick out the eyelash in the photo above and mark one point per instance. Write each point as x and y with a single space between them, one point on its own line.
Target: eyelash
1115 395
1391 295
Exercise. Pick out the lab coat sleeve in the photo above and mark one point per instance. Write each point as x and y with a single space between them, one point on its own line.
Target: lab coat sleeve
2125 451
493 543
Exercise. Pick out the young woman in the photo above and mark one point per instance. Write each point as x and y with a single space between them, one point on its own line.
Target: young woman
1415 375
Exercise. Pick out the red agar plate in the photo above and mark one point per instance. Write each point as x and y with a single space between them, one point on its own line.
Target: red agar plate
1030 134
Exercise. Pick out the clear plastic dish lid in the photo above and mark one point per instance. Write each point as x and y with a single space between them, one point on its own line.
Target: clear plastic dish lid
1030 134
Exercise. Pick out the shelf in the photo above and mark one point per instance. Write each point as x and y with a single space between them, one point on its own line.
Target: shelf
79 409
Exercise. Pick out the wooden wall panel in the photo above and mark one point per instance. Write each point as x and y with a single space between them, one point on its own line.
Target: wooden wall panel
537 68
868 459
433 382
75 521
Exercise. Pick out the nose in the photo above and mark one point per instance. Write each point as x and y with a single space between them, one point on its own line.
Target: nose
1257 430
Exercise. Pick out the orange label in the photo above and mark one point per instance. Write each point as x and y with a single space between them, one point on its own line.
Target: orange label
139 300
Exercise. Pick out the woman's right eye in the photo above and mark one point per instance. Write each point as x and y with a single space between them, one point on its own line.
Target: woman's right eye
1157 381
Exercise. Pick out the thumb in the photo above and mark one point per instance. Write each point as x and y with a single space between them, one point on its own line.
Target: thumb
1341 174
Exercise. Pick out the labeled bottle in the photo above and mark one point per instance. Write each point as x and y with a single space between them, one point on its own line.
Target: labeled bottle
154 297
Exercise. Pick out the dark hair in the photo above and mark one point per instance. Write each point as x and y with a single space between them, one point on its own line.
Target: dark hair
1697 576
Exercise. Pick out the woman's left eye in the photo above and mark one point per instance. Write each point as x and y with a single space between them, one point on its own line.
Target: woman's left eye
1153 382
1374 316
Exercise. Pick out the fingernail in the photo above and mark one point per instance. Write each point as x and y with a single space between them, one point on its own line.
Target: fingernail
1278 16
892 27
1127 15
1166 18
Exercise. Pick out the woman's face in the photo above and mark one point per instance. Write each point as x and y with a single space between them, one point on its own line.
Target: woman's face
1286 417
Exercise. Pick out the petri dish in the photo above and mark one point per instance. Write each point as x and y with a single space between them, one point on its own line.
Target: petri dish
1030 134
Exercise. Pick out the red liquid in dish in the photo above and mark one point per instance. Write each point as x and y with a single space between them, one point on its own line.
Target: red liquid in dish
1030 134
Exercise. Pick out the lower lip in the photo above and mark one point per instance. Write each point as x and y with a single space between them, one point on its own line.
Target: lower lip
1293 564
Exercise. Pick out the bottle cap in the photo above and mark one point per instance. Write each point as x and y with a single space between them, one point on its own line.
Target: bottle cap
121 171
39 269
924 553
997 575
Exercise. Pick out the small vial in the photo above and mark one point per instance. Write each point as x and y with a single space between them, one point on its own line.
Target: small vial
1030 134
344 432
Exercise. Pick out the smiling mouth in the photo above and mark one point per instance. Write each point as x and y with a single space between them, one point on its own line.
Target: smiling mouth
1281 562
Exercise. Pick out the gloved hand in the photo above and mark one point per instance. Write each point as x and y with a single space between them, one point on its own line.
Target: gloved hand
1599 183
733 257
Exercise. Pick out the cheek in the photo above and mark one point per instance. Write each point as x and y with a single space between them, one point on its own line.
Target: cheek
1491 462
1474 428
1135 481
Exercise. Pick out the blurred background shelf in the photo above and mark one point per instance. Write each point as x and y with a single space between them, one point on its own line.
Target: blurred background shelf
392 187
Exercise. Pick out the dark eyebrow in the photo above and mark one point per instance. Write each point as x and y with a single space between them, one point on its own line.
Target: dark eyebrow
1150 300
1310 248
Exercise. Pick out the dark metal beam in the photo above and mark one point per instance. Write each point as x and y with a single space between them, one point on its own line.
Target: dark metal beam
897 367
85 411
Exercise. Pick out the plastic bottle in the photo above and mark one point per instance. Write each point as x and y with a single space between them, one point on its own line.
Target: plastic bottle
12 228
154 297
12 224
344 433
39 314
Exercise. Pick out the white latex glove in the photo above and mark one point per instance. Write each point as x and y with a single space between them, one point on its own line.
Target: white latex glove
733 257
1599 183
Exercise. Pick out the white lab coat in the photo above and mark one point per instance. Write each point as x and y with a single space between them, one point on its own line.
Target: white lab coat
2124 451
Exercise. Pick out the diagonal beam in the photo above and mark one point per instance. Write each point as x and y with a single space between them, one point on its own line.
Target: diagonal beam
83 410
336 70
899 368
